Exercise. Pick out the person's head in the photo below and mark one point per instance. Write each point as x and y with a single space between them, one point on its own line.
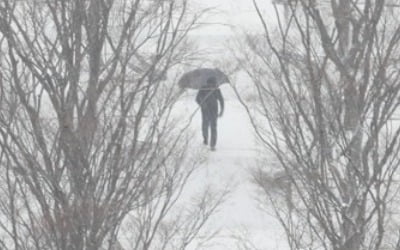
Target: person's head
212 82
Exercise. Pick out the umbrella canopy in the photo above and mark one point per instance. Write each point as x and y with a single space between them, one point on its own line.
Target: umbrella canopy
197 79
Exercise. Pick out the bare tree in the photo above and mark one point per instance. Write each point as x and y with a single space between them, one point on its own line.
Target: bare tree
89 149
327 84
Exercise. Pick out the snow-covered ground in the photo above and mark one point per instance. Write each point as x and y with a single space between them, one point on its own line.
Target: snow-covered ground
240 220
229 167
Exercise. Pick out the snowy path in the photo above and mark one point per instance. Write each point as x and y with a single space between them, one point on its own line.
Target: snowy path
230 166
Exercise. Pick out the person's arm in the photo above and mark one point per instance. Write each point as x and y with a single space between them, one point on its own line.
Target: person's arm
221 101
198 97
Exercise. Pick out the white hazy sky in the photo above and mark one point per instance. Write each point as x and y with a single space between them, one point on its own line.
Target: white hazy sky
239 14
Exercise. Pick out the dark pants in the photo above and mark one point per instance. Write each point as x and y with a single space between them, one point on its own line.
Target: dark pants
209 118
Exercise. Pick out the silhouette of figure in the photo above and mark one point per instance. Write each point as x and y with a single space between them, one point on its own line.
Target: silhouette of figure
208 98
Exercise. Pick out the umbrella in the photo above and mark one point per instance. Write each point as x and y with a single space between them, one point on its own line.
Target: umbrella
197 79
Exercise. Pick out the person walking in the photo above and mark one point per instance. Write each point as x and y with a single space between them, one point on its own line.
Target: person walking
208 99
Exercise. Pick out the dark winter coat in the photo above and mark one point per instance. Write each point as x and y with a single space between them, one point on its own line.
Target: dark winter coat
208 100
